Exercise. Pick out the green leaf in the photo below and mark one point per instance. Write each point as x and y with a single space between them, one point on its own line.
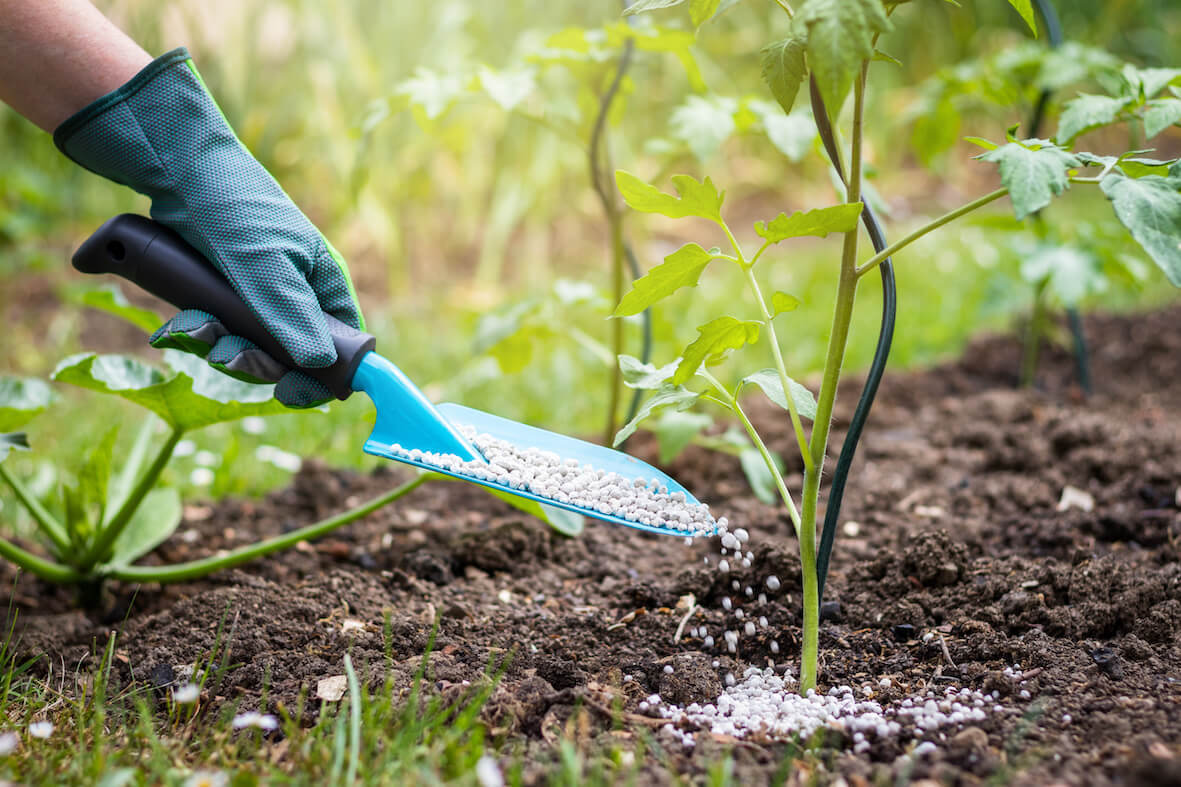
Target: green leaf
507 88
674 430
701 11
430 91
768 380
1085 113
110 299
703 123
156 518
680 269
758 475
1139 167
982 142
1150 207
640 6
1025 9
674 396
716 339
13 441
782 302
818 222
1034 171
784 68
21 398
840 36
1159 114
694 197
192 396
1070 274
1147 82
791 134
644 376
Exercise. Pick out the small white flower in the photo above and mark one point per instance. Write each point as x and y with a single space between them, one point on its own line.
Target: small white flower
488 772
207 779
8 743
186 694
263 721
41 729
201 476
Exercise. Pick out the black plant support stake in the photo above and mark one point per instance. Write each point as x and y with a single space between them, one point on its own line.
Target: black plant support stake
840 476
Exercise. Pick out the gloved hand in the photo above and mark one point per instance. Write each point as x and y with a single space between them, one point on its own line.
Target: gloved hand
163 135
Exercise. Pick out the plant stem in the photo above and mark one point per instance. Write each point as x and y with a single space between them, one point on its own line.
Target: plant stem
893 248
48 523
38 566
791 404
1033 336
199 568
110 532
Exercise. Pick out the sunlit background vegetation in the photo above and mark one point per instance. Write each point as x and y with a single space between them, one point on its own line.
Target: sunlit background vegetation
443 149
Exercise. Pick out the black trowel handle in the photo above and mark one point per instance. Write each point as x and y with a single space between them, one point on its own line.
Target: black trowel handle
158 260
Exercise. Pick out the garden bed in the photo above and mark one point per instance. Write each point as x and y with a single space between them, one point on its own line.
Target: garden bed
954 567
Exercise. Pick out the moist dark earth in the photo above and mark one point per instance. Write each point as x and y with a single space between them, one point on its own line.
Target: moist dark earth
954 563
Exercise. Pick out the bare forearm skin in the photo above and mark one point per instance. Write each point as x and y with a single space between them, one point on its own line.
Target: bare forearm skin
58 56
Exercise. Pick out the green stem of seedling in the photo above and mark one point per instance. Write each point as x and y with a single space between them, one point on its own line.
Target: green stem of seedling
110 532
199 568
45 520
38 566
950 216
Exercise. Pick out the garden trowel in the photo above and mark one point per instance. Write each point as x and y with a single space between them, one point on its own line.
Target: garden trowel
408 426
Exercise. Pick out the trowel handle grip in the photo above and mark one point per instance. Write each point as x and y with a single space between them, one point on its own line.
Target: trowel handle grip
156 259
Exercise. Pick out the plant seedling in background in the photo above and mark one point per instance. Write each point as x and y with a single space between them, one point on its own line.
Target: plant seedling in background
830 46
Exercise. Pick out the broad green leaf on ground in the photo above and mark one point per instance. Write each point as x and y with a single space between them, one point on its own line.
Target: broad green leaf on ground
768 380
1087 112
703 123
784 68
1159 114
430 91
507 88
1034 171
701 11
110 299
675 396
715 340
13 441
694 197
1150 207
191 396
783 302
680 269
21 399
675 429
840 36
640 6
1070 274
818 222
645 376
759 476
153 522
1025 8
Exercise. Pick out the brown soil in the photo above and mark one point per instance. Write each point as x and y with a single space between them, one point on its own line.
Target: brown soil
957 534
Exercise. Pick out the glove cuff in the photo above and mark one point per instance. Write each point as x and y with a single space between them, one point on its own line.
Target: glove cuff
72 124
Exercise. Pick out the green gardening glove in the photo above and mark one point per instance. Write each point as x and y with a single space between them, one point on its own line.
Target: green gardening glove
163 135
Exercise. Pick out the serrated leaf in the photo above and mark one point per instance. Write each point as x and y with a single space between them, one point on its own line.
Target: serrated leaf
819 222
507 88
13 441
703 123
156 518
759 476
694 197
1147 82
768 380
645 376
782 302
1150 208
191 396
701 11
674 396
784 68
21 399
1085 113
1033 175
674 430
1069 274
110 299
1159 114
715 340
840 36
1025 9
680 269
